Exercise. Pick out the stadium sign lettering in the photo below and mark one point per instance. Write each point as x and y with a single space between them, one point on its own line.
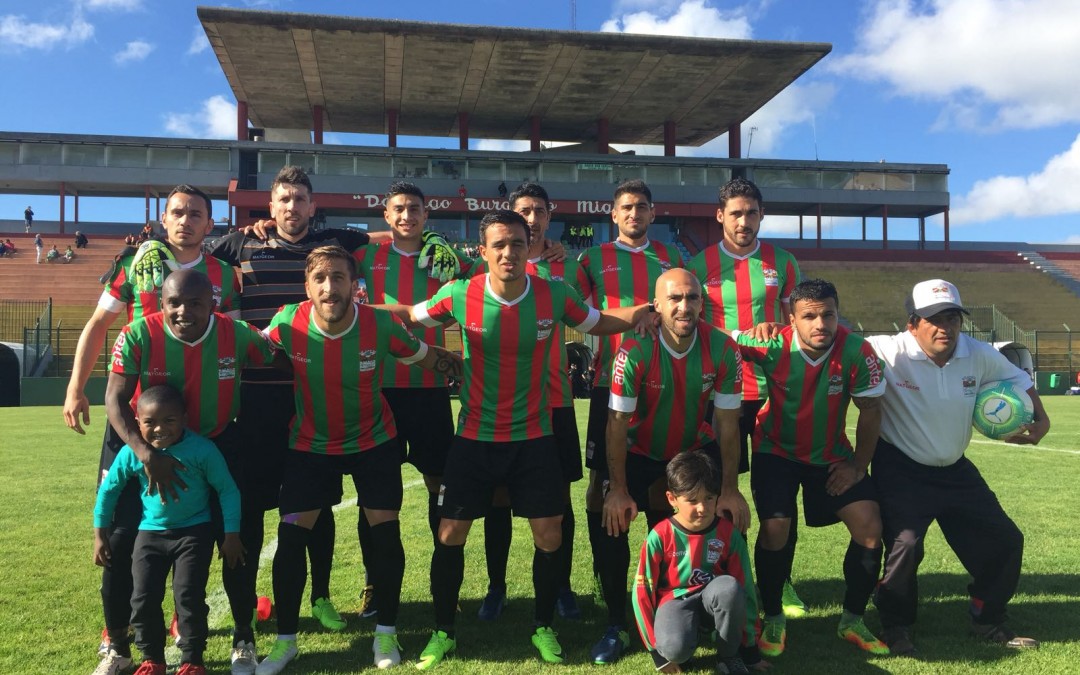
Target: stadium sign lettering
593 207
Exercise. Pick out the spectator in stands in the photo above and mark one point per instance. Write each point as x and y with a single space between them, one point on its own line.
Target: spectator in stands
69 254
11 250
502 190
129 240
53 254
3 250
461 193
80 240
39 245
28 218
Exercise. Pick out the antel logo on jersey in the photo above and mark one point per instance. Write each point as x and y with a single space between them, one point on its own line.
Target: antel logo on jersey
771 276
543 328
118 348
367 360
618 367
874 367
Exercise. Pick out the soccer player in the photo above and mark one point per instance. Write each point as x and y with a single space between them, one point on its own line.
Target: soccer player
747 282
187 221
660 393
343 425
198 351
922 475
418 398
621 273
813 368
695 567
531 202
504 431
173 536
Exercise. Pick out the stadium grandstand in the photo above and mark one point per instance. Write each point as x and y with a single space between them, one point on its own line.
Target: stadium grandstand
534 87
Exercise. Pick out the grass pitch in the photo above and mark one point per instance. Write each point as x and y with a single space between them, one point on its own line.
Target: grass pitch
50 611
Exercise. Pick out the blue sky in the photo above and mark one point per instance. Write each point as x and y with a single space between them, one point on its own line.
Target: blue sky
988 87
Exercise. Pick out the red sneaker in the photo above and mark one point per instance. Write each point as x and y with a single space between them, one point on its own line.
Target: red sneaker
151 668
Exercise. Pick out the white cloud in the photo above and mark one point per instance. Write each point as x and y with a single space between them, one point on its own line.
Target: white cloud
199 41
122 5
691 18
136 50
216 119
993 64
1050 192
18 33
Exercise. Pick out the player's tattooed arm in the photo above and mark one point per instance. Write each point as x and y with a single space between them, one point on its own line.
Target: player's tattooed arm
443 362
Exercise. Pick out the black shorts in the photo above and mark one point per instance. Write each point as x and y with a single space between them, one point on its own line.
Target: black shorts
567 442
425 426
775 482
128 511
263 426
529 469
747 423
642 472
596 431
313 481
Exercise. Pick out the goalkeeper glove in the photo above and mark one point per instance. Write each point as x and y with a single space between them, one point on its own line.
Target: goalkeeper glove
437 257
148 268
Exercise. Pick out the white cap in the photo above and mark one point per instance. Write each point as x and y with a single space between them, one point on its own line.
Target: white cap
932 297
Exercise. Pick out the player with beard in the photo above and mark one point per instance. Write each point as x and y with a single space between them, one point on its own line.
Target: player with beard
813 368
343 426
748 282
187 220
621 273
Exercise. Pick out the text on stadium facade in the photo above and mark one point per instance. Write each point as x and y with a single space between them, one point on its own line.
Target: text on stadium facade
472 204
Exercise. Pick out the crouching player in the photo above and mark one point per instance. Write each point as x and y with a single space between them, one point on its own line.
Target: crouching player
173 534
694 568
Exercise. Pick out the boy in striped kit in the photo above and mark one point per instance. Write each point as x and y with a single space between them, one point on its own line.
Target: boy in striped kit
813 369
694 572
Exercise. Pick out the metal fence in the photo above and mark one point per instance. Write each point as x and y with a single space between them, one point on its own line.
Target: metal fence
37 339
16 315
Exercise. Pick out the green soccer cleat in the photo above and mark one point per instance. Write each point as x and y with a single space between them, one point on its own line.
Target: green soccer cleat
327 614
773 636
794 607
438 648
859 635
546 642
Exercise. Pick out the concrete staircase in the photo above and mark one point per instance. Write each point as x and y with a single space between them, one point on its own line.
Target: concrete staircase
1058 273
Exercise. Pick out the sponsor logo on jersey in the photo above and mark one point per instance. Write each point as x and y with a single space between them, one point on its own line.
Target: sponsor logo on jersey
380 267
618 368
475 328
297 356
367 360
155 374
610 269
118 348
908 384
874 370
700 577
226 368
713 550
969 385
543 328
836 385
677 554
771 276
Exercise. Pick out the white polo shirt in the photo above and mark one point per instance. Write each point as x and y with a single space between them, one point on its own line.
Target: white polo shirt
927 408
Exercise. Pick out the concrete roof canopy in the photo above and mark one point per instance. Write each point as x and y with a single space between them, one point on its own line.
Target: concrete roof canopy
283 64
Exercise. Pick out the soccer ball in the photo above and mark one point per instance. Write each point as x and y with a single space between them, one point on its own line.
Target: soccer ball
1001 409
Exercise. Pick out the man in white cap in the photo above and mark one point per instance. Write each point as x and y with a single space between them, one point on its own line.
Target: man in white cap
933 372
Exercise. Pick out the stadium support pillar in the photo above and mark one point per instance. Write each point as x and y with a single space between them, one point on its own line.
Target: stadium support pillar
63 198
463 130
819 225
317 123
241 121
76 208
800 226
669 138
885 226
922 232
602 137
734 142
146 196
864 228
946 215
391 127
534 133
157 206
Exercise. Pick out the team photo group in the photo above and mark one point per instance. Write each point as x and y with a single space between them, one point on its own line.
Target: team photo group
258 372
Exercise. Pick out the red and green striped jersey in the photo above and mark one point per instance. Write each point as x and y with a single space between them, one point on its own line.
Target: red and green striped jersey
805 416
668 393
568 271
616 275
675 562
206 371
504 395
743 291
393 276
119 294
340 409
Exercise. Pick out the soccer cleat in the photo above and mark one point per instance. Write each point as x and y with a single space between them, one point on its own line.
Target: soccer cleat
191 669
327 614
611 647
898 639
794 607
731 665
493 605
566 604
773 637
242 659
859 635
546 642
1002 635
112 663
280 654
438 648
367 602
150 668
387 650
